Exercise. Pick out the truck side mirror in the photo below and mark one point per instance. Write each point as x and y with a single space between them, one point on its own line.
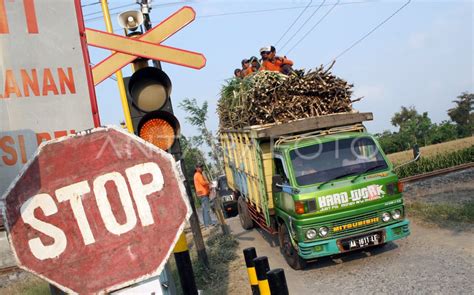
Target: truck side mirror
277 181
416 152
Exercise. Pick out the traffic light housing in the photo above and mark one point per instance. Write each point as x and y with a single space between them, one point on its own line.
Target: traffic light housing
148 97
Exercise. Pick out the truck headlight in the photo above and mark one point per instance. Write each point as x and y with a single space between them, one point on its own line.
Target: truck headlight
311 234
396 214
323 231
386 217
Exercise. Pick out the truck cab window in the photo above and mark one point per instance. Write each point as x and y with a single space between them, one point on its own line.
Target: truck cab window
279 169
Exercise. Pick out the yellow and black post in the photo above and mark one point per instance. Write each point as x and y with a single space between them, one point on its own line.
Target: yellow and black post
185 268
261 268
250 254
277 282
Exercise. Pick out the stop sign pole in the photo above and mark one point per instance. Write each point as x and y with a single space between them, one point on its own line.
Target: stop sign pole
96 212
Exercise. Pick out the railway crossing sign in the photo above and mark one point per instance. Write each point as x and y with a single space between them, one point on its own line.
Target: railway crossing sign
96 212
147 46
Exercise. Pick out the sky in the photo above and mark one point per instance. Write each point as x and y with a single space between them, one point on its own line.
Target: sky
422 56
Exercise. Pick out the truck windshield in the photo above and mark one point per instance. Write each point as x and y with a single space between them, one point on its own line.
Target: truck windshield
336 159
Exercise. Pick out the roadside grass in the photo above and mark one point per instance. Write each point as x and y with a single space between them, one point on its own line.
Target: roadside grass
221 251
30 286
433 150
444 214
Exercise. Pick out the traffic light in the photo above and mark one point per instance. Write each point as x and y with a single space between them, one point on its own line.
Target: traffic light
148 96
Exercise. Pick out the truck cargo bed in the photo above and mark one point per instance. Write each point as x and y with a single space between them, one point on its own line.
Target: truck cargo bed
304 125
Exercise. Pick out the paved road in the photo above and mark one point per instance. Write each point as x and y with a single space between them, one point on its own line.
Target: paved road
429 261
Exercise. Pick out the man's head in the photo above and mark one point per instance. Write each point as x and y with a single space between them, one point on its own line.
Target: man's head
199 167
245 63
238 73
265 52
254 61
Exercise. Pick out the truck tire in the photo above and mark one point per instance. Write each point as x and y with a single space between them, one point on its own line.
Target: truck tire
244 215
287 249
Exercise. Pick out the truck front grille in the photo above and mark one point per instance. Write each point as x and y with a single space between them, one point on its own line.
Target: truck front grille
351 225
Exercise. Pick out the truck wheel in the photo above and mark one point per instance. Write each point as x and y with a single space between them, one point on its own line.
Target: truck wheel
244 215
287 249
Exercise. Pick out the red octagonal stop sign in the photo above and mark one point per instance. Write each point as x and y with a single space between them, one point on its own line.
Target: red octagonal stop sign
96 212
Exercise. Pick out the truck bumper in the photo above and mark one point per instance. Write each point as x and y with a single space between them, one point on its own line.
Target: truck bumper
311 250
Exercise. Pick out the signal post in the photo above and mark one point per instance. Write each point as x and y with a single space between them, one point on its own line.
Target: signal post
148 93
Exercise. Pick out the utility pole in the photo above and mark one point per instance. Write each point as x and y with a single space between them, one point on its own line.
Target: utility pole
194 221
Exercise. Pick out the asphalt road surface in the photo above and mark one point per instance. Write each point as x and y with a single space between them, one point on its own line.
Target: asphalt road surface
429 261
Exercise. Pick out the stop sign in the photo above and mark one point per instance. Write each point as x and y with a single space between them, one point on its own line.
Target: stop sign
96 212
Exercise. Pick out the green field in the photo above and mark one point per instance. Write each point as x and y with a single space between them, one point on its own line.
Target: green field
433 150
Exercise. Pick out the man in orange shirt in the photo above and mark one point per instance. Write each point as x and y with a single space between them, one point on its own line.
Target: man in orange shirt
246 68
271 62
202 191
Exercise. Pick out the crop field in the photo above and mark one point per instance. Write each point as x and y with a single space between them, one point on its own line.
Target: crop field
433 150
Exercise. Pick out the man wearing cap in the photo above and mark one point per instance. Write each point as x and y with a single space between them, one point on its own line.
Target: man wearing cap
274 63
202 191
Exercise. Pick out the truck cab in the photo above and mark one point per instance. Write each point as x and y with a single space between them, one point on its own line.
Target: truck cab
334 194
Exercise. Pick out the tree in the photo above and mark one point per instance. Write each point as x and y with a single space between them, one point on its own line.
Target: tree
197 117
462 114
191 156
445 131
413 127
405 115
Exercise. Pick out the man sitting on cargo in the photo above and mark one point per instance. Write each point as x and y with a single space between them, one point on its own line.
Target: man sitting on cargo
271 62
254 64
238 73
246 68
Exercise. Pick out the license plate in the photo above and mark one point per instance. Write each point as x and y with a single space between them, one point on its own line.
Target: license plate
362 241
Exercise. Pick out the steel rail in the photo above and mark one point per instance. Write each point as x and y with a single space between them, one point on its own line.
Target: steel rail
437 172
9 269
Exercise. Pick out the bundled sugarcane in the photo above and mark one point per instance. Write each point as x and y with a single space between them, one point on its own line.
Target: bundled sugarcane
270 97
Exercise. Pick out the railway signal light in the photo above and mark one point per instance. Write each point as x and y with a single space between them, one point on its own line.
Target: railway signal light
148 96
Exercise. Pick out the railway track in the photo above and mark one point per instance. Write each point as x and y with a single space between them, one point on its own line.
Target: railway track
437 173
10 269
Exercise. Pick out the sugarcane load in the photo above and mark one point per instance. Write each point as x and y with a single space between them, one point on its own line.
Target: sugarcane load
271 91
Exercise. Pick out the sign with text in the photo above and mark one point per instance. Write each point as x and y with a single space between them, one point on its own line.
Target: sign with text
46 88
96 212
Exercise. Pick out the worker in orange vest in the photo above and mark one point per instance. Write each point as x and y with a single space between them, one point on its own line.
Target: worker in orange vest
246 68
202 192
254 64
271 62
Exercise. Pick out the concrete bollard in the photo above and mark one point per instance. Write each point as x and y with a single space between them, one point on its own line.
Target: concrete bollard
261 268
250 254
277 282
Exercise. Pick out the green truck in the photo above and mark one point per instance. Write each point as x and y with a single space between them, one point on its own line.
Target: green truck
322 184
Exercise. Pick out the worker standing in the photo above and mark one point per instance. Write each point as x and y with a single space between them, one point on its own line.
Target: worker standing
202 191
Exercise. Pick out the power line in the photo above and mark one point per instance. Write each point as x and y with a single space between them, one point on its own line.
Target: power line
124 6
297 18
90 4
248 11
304 24
111 9
371 31
279 9
315 25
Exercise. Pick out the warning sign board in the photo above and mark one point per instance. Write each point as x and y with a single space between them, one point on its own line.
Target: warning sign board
46 88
